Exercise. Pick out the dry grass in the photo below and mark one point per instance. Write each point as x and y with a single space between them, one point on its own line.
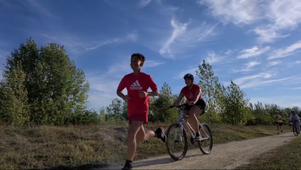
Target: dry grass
287 156
48 147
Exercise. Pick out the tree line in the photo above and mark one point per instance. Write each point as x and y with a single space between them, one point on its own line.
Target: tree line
43 86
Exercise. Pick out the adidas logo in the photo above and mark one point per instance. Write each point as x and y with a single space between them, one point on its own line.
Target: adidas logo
136 86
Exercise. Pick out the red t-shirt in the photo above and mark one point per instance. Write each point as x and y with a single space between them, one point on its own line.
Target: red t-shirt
134 84
190 92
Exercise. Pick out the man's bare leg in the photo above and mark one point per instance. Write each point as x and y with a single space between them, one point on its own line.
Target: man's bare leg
142 136
132 144
136 133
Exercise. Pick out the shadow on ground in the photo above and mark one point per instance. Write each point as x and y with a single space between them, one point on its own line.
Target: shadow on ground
106 166
160 161
83 167
284 136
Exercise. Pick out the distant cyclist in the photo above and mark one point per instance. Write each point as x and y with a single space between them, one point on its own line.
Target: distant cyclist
279 122
294 118
195 104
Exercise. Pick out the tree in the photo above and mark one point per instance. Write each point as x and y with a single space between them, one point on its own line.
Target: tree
55 88
235 108
102 114
115 110
159 108
13 98
125 111
212 90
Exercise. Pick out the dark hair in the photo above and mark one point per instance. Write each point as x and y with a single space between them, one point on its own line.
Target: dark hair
140 56
188 75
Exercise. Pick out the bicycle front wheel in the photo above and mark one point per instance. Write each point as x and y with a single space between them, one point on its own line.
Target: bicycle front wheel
176 142
206 143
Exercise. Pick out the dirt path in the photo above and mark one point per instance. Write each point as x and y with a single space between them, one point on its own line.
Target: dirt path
222 156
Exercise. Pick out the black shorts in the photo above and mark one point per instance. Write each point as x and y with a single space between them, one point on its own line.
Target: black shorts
200 103
280 124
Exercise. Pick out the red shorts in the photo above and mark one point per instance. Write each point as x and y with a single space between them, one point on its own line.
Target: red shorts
139 117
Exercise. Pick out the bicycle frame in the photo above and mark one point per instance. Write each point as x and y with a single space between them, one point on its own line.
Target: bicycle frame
182 122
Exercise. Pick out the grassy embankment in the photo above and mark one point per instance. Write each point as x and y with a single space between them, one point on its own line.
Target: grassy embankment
85 146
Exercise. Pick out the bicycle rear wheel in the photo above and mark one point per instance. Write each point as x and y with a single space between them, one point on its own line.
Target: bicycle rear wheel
205 144
175 136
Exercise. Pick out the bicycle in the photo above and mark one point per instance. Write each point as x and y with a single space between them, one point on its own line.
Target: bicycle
294 127
179 127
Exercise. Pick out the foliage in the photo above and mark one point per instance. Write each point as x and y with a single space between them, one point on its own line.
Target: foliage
42 86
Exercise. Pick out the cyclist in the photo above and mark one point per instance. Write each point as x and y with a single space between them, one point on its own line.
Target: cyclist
294 118
279 122
195 104
137 84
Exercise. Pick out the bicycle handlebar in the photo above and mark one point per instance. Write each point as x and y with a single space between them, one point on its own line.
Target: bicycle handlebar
179 106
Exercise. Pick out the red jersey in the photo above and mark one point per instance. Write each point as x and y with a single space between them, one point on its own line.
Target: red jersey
190 92
134 84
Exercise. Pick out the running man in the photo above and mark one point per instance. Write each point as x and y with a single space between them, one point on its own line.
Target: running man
137 84
279 122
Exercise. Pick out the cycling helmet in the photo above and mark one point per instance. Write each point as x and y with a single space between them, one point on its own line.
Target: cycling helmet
188 75
293 111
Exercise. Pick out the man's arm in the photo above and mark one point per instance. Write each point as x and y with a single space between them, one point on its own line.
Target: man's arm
154 88
120 94
153 93
120 87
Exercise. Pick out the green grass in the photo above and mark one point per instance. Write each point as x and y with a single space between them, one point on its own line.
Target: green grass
287 156
49 147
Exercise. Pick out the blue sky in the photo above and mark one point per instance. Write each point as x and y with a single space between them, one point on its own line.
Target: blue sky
255 43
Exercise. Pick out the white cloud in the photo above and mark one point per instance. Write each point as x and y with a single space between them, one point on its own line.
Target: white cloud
191 70
268 34
248 66
276 15
228 52
152 63
283 15
253 52
178 29
288 51
78 45
252 64
185 36
130 37
234 11
257 80
34 5
213 58
273 63
143 3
